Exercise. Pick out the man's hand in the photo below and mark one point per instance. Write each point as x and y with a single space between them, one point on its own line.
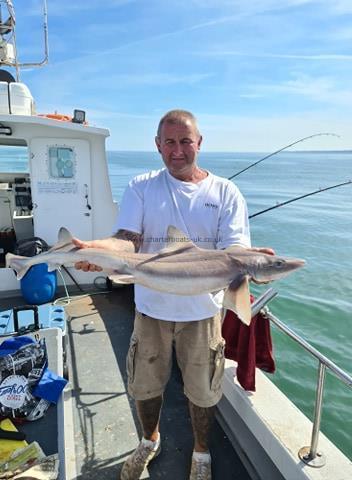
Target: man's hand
266 250
86 266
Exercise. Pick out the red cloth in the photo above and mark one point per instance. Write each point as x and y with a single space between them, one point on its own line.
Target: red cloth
250 346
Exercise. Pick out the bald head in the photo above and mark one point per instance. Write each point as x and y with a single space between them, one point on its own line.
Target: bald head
174 117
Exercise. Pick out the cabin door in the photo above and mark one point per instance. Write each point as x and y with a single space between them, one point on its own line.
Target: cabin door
60 172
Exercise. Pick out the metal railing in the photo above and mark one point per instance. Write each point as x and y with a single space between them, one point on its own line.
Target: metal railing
308 455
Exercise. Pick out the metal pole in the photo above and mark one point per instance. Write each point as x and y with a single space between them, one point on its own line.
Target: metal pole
317 410
310 455
340 374
46 42
263 300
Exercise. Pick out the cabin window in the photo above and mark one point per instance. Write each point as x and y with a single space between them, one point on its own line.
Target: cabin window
13 159
61 162
16 221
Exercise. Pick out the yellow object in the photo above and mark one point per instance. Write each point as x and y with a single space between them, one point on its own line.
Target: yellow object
7 447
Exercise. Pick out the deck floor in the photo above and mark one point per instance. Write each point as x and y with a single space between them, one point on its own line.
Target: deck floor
105 422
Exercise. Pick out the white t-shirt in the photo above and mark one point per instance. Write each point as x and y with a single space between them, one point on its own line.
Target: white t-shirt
212 213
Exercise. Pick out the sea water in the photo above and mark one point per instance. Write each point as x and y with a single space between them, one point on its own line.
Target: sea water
316 301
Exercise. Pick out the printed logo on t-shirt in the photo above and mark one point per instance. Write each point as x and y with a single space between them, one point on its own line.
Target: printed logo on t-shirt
211 205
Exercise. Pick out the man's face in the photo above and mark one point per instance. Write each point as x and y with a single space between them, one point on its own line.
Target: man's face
178 145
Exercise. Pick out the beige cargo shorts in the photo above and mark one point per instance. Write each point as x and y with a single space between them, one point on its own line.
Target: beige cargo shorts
199 349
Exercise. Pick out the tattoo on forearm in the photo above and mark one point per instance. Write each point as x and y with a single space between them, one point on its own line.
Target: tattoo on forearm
149 414
129 236
202 419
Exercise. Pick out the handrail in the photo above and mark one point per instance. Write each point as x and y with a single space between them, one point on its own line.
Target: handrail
341 374
310 455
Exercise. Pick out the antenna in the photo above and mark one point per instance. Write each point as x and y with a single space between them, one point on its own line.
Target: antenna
8 50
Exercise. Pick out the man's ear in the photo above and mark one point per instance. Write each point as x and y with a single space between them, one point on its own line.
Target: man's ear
157 143
200 141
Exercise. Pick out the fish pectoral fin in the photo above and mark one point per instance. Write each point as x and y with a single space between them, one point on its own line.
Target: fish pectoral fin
237 299
122 278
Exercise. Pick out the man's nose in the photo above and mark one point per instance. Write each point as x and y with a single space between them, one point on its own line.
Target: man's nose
177 150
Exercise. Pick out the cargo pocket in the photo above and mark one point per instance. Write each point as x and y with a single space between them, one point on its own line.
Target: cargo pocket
218 350
130 360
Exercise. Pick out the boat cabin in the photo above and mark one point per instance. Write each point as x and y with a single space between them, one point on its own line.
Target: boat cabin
66 184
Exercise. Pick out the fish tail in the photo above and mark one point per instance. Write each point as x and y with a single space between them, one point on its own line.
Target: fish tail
17 263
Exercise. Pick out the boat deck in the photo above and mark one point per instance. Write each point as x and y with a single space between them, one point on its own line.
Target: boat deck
104 419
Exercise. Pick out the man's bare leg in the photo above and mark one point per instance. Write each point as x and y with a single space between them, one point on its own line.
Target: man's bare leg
149 447
149 416
202 420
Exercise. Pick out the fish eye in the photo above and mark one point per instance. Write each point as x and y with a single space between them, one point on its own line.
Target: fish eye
279 263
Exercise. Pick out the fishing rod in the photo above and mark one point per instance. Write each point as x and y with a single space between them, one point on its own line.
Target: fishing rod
298 198
281 150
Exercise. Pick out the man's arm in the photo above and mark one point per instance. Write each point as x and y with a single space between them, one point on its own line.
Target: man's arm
127 240
122 240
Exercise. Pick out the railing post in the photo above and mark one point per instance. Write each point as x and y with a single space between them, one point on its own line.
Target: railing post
310 455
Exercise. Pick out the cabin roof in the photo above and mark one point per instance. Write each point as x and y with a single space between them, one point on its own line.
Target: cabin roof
7 119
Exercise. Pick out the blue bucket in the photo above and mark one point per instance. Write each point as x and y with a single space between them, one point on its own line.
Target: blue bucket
38 285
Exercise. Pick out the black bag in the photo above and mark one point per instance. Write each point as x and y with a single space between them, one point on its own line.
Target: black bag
20 371
29 247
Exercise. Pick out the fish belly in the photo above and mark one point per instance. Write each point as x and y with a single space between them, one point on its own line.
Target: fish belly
181 285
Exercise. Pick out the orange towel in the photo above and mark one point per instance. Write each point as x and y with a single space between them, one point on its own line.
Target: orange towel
250 346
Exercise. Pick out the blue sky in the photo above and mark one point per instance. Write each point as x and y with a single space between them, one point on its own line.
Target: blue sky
258 74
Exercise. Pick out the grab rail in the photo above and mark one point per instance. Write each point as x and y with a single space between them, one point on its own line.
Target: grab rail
310 455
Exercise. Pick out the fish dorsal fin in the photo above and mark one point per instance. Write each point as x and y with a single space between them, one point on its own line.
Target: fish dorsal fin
177 240
64 235
64 242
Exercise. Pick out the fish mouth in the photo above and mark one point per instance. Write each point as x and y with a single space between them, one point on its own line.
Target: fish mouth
298 262
292 265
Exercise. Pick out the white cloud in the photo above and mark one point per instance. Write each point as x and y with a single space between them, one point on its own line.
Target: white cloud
253 6
319 89
341 35
63 8
266 133
340 7
285 56
147 79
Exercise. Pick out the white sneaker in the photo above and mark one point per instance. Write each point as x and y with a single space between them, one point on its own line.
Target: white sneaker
201 466
135 464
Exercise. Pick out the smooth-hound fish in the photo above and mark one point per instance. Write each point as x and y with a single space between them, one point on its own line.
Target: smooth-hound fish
181 268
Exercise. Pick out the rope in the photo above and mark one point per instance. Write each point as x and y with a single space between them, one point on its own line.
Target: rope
65 301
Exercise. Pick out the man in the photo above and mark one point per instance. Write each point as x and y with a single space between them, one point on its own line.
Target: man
212 212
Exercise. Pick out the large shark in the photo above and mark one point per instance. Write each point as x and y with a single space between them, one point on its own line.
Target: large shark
180 268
